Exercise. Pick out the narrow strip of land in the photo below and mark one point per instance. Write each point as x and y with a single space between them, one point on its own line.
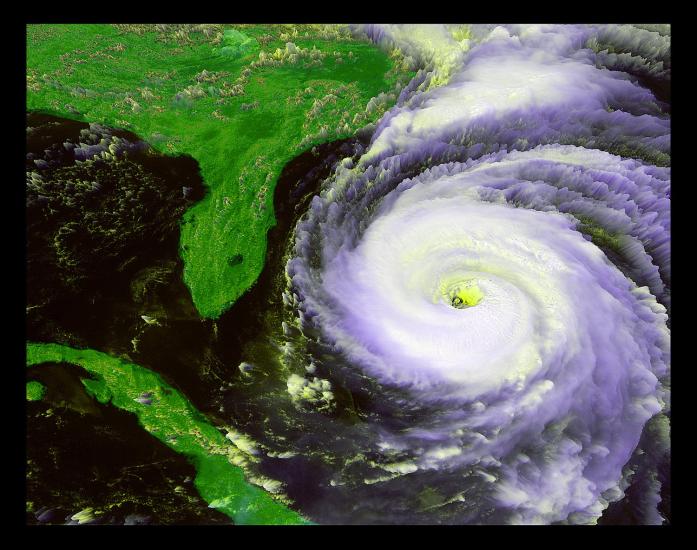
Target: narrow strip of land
167 414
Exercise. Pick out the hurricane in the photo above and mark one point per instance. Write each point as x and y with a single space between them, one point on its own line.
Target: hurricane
486 282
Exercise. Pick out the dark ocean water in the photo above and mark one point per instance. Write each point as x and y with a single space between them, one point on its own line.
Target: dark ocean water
127 467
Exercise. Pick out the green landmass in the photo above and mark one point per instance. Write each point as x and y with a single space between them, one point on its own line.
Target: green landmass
35 391
168 415
241 99
600 237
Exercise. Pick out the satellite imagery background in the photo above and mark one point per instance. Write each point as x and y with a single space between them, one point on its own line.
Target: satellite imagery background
348 274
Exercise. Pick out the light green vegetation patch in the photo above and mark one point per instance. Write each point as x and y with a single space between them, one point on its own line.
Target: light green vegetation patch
600 237
242 100
236 44
35 391
169 416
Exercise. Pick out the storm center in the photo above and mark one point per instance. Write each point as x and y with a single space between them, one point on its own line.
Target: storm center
464 295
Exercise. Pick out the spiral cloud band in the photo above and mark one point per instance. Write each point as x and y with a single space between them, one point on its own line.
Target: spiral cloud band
494 269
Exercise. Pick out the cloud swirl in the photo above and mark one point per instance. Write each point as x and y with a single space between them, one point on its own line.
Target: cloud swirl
494 271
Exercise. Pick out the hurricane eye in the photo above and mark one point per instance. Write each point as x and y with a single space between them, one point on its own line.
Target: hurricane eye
468 294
